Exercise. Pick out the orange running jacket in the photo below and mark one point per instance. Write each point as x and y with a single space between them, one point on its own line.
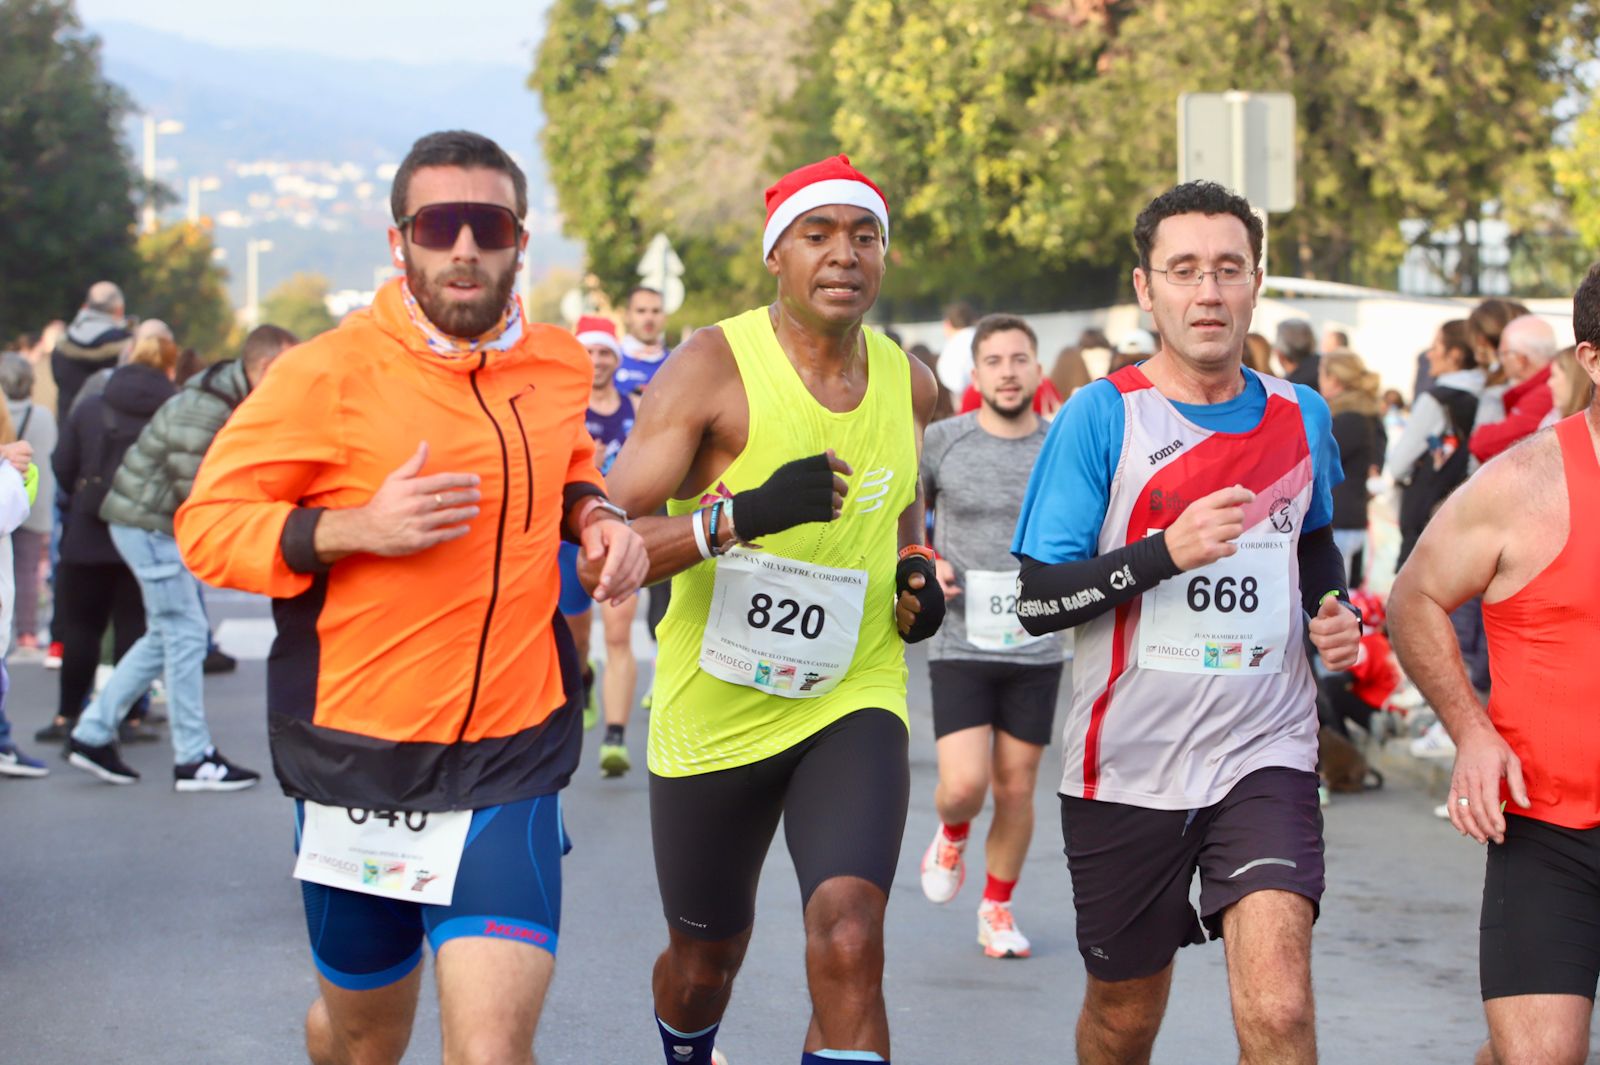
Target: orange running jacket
439 681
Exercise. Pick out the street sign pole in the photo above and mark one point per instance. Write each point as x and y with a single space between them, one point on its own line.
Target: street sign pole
1244 140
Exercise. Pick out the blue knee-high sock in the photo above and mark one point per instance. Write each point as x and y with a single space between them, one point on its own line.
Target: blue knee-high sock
686 1048
833 1057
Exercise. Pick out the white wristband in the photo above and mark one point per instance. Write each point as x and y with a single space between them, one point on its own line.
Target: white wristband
700 534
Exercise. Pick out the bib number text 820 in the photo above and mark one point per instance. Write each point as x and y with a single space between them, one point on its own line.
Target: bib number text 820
781 618
1226 596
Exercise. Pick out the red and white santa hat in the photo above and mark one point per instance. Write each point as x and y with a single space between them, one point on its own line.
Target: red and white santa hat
832 181
594 331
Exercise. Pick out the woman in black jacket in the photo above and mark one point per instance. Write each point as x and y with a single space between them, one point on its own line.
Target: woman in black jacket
94 587
1352 394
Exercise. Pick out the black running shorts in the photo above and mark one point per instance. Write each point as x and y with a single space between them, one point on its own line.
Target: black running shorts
1132 867
841 793
1017 700
1540 930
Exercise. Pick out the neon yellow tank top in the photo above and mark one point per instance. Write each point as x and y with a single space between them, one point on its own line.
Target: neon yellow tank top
700 723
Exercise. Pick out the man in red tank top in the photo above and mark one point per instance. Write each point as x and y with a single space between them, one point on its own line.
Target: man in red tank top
1524 533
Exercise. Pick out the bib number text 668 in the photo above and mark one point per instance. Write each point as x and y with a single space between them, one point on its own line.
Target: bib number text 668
781 617
1226 596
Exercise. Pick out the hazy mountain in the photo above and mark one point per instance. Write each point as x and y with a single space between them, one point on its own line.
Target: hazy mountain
278 104
242 106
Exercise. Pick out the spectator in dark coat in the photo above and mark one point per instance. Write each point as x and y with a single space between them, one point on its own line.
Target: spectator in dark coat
94 586
1352 394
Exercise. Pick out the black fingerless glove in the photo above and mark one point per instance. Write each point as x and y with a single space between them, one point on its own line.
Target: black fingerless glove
930 596
797 492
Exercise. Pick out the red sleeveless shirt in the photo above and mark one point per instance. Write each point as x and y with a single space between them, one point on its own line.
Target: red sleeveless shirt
1545 697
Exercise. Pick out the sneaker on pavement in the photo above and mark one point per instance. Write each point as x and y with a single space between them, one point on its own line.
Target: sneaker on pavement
1434 743
218 662
997 931
136 732
718 1057
13 763
212 772
1407 697
614 761
55 732
52 655
943 870
104 762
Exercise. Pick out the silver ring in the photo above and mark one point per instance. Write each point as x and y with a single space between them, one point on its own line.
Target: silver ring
1462 801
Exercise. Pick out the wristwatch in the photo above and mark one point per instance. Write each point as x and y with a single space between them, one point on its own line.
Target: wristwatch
610 508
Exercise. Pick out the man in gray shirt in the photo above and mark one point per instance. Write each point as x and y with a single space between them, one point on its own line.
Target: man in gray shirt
994 686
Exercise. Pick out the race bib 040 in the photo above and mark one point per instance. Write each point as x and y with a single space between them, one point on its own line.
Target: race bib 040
409 856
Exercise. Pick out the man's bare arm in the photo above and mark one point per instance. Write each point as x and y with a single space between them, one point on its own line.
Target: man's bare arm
1456 559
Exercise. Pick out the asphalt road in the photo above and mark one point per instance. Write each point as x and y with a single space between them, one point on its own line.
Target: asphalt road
144 926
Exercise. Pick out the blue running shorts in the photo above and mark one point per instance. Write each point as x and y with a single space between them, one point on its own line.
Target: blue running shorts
574 600
508 887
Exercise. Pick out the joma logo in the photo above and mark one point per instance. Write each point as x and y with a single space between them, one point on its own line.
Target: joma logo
1170 449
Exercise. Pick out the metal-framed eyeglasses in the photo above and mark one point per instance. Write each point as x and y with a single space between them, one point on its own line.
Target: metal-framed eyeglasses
1190 276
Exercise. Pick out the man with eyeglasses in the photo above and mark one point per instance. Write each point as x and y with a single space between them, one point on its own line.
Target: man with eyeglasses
399 486
1180 517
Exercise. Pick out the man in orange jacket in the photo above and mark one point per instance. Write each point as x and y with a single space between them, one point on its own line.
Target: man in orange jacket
399 486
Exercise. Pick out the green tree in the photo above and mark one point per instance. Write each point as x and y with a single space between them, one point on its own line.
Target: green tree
1016 142
593 78
1577 167
1050 127
178 280
65 185
300 306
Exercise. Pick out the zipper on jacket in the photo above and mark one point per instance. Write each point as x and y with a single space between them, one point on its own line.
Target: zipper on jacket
499 544
527 458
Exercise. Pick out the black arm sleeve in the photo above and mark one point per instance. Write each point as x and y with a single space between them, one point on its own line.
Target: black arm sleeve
1321 569
1064 595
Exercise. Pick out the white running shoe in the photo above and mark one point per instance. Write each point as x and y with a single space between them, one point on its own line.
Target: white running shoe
943 870
997 931
718 1057
1434 743
1407 697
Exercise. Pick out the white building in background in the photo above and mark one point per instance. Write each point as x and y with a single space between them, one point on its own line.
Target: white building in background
1427 264
1387 329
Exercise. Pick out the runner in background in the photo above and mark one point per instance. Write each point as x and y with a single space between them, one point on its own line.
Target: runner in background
610 420
644 344
994 686
644 350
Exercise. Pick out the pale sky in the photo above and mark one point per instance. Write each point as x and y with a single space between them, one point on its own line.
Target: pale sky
498 31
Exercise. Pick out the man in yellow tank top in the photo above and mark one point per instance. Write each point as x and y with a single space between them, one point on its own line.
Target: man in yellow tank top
785 444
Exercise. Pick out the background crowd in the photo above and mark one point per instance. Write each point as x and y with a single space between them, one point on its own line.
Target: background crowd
81 392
